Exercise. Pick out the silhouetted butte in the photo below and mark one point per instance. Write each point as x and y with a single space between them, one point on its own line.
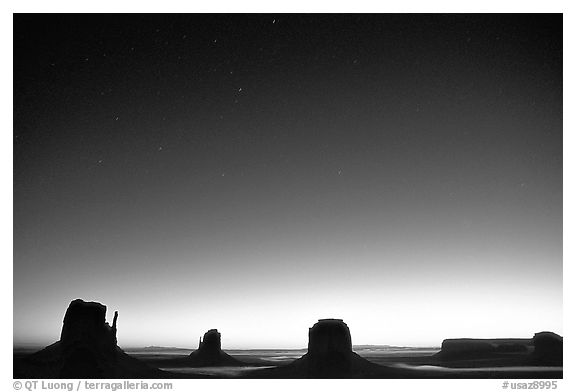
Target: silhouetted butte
548 348
209 352
329 355
87 349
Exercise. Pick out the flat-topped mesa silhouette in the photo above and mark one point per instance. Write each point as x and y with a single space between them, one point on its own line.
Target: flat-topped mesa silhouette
544 349
466 348
469 348
87 349
209 352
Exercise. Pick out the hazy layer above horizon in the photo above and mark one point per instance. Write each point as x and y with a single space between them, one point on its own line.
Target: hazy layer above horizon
257 173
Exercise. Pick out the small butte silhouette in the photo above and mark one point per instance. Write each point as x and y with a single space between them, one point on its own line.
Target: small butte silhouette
88 348
210 352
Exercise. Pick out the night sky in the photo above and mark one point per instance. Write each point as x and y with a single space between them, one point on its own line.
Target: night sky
254 173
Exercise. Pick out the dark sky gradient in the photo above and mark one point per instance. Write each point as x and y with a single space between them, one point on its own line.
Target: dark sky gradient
254 173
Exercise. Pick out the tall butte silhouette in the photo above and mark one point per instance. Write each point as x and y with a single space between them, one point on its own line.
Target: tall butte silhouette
329 355
87 349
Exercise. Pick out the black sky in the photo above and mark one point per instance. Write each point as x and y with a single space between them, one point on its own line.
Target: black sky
250 167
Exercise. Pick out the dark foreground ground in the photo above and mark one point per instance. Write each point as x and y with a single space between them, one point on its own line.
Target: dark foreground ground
370 363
